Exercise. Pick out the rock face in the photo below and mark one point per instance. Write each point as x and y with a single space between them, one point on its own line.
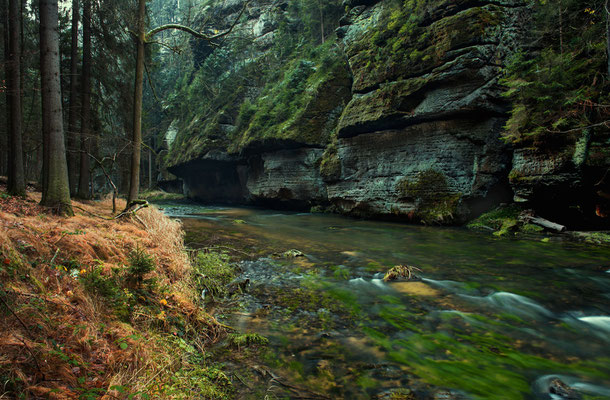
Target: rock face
407 124
439 171
286 179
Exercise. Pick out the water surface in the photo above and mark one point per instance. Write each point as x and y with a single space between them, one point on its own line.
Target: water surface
490 318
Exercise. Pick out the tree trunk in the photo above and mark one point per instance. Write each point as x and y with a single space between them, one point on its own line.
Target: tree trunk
150 179
73 110
56 190
85 129
134 185
7 103
16 177
321 21
607 7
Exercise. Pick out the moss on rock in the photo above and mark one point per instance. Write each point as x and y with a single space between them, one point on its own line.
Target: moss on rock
434 201
414 39
330 165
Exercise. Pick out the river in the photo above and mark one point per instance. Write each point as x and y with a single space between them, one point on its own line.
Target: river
488 318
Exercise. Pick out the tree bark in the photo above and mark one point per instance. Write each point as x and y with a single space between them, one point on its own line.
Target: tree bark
73 110
85 130
16 177
7 104
321 21
134 184
607 9
150 179
56 190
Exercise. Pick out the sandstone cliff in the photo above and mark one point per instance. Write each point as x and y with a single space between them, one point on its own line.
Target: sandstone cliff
399 113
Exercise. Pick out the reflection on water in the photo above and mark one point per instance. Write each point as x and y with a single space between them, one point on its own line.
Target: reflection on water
490 319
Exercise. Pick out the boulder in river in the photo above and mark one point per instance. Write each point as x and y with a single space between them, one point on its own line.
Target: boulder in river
399 272
553 387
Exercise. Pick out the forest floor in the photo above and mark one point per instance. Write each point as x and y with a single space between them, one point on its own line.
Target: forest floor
97 308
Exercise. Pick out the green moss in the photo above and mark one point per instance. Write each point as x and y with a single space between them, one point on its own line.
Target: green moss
434 201
508 226
239 340
159 196
504 221
496 218
595 237
401 394
212 273
330 166
395 99
416 36
203 382
531 228
304 105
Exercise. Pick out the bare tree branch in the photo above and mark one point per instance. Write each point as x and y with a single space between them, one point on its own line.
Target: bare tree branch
193 32
603 123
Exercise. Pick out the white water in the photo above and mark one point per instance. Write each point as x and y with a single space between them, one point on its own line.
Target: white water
513 303
601 322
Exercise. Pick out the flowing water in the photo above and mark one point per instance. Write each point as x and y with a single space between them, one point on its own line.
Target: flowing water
489 318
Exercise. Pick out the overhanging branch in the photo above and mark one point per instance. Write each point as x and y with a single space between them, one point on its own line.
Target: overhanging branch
603 123
193 32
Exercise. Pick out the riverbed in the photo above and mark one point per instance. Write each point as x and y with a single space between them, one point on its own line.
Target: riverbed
485 317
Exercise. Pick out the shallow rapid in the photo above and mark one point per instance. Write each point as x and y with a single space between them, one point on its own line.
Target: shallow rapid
487 318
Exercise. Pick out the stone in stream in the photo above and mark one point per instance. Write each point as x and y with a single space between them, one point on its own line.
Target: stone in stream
553 387
400 272
559 389
292 253
238 286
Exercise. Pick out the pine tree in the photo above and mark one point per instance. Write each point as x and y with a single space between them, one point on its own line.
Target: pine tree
16 177
55 188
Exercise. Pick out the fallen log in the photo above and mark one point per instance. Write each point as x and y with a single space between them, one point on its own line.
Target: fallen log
545 223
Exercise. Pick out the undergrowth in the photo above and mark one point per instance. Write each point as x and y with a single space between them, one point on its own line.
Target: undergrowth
96 308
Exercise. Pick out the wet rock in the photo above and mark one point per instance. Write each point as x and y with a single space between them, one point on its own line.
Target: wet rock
396 394
292 253
401 272
285 178
448 395
553 387
415 289
238 286
558 388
